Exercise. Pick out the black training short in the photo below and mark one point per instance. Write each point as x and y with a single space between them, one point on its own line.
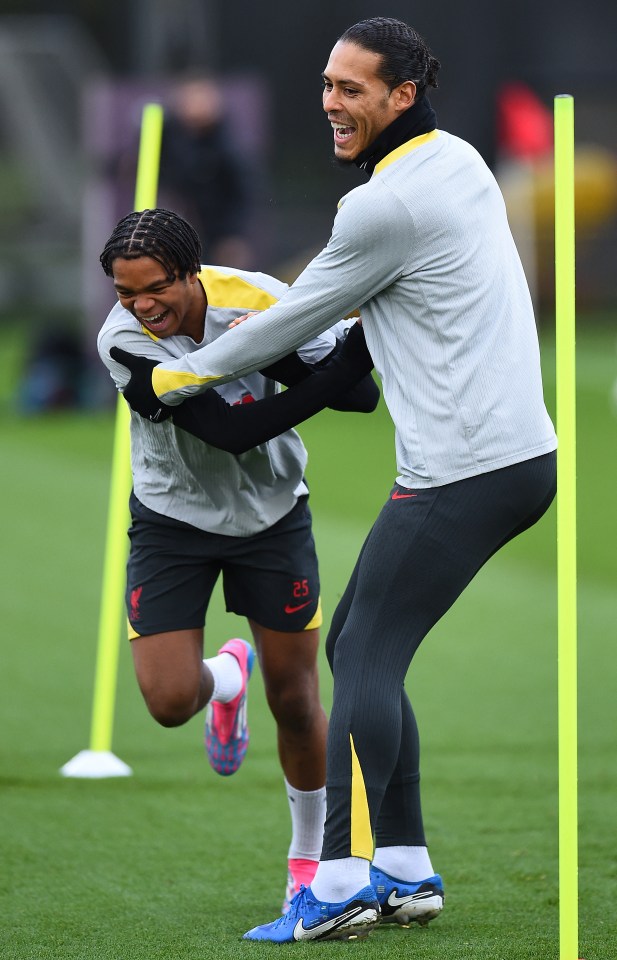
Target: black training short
271 577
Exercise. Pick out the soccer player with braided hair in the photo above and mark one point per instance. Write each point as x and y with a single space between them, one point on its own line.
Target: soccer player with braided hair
160 234
424 250
218 487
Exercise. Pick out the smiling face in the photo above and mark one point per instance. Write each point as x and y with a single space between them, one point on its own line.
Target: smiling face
164 306
358 102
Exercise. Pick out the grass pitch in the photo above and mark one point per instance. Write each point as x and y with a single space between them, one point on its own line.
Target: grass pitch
175 862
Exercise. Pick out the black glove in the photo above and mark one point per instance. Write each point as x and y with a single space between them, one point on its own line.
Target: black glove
139 392
289 370
353 356
355 351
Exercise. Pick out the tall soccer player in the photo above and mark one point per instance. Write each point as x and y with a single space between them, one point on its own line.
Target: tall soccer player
425 250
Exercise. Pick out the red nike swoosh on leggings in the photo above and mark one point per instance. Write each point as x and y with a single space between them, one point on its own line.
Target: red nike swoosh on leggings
290 609
402 496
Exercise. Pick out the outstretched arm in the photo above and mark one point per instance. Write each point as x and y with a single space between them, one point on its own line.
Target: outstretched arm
345 276
239 427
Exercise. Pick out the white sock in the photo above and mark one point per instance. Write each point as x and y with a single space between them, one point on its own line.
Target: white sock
227 676
404 863
308 812
338 880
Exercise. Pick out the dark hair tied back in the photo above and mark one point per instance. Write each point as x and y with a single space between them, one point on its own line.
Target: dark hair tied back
404 53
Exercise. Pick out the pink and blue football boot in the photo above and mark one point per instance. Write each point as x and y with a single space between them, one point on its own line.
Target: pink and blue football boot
227 732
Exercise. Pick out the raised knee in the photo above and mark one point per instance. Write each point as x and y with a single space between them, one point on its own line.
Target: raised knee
170 711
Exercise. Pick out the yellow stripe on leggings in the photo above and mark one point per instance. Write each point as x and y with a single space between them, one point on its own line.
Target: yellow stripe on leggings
361 834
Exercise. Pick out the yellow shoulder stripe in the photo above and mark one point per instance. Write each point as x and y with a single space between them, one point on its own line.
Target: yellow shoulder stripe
404 149
228 290
166 381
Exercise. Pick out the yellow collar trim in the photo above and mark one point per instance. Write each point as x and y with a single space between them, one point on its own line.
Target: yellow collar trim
149 333
404 149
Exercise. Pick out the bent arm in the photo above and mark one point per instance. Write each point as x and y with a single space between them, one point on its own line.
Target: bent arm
361 397
239 427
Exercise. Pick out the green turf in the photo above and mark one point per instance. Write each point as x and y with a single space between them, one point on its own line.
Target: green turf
175 862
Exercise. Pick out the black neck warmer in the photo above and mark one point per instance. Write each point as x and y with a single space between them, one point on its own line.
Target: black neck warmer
419 119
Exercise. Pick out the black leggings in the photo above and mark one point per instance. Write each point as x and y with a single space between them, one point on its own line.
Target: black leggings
425 547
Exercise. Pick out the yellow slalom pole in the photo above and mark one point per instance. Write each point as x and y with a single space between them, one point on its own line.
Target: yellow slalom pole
99 761
114 574
147 179
566 525
112 593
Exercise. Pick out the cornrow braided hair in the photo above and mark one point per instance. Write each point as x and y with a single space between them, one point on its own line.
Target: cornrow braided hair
160 234
404 53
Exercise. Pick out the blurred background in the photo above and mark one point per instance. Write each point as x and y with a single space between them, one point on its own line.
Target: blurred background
111 869
247 150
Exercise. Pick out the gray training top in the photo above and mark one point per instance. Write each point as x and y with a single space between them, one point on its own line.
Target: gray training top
179 476
425 251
